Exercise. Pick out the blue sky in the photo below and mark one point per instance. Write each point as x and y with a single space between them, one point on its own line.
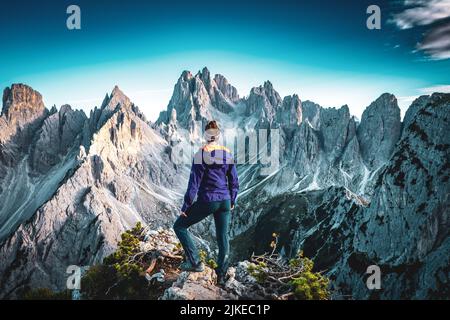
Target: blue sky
320 50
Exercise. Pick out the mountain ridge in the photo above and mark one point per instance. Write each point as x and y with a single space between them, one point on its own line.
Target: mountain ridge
120 169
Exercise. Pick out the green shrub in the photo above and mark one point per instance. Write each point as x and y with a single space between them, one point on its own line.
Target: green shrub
210 262
293 279
309 285
121 275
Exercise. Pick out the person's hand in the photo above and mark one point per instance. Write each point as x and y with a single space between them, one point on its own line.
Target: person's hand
183 214
232 206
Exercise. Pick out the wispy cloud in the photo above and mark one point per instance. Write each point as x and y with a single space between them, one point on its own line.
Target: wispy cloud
436 43
434 15
422 13
406 100
445 88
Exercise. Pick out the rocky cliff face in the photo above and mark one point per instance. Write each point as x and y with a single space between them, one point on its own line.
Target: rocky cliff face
22 113
121 176
197 99
22 105
379 130
263 101
37 150
405 228
56 137
348 193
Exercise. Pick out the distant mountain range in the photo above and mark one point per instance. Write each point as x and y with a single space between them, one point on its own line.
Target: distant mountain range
348 193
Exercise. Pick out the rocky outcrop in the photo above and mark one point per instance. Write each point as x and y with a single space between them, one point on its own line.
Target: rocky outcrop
410 114
197 286
379 130
240 285
22 105
410 194
290 113
37 150
22 114
58 134
305 149
228 91
337 128
263 103
222 95
404 228
123 177
196 99
311 113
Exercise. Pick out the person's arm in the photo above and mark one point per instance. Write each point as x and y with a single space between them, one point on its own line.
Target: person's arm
195 179
233 182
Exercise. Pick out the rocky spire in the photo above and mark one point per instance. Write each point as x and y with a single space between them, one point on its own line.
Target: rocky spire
263 101
116 100
290 113
22 104
59 133
22 114
379 130
195 98
225 88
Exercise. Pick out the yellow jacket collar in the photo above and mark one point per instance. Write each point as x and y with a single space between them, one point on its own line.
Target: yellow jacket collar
212 147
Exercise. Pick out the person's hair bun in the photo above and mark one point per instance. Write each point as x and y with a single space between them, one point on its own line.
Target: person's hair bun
211 125
212 131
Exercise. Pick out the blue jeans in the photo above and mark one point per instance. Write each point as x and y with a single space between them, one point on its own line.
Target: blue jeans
196 213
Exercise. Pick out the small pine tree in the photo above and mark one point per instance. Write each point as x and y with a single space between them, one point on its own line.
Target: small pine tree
294 279
120 276
309 285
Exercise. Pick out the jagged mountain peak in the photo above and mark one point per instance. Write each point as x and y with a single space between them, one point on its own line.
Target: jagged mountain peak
65 108
294 98
98 176
345 108
290 112
269 91
22 113
22 103
226 88
116 91
268 85
379 130
440 98
111 103
53 109
204 74
384 106
196 98
185 75
263 101
385 101
118 97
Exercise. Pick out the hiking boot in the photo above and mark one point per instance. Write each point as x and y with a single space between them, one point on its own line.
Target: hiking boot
187 266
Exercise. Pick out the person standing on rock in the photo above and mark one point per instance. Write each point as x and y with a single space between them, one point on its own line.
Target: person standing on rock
214 181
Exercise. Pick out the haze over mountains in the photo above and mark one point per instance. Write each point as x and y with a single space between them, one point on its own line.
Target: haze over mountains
349 193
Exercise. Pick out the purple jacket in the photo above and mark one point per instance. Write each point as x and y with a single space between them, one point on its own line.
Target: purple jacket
213 176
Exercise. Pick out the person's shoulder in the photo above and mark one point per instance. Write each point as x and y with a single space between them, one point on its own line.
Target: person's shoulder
209 148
